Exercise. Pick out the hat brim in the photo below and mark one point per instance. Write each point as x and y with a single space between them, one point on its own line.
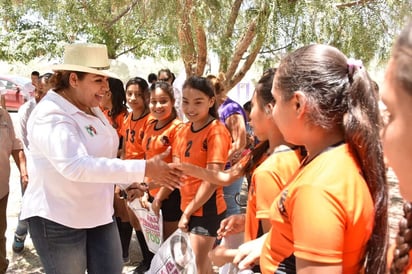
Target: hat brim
66 67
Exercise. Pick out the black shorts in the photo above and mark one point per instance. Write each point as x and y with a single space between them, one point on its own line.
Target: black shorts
206 225
171 207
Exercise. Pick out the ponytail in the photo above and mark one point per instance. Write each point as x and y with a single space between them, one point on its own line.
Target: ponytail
362 124
403 241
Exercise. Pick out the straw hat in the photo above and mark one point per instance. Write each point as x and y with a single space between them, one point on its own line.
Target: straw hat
90 58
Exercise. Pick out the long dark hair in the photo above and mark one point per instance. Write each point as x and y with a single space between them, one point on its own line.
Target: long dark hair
264 96
342 95
402 78
203 85
118 97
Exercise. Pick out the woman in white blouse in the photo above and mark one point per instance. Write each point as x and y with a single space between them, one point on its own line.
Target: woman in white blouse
73 168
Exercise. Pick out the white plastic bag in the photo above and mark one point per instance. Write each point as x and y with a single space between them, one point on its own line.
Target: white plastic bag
175 256
151 224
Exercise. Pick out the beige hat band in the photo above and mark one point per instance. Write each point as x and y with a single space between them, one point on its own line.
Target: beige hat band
100 68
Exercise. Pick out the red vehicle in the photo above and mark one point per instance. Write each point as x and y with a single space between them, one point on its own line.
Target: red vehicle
17 91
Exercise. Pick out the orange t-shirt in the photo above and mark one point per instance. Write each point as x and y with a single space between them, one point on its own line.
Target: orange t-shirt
133 133
210 144
157 140
325 215
268 179
118 120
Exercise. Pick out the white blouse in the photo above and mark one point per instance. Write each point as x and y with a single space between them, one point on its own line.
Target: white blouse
72 165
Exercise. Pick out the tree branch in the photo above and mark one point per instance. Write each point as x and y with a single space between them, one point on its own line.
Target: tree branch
121 14
234 13
186 43
126 51
275 50
201 42
241 48
354 3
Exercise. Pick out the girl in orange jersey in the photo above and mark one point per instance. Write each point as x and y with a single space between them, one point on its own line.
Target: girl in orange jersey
332 216
159 134
203 141
270 176
137 94
397 96
113 104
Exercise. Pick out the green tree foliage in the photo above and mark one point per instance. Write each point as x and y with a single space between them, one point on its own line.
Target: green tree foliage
239 32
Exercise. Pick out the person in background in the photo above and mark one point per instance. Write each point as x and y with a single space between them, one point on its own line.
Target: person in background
251 139
234 118
203 141
137 97
114 105
73 167
152 78
35 75
397 96
167 76
43 86
114 108
9 146
2 95
24 112
332 217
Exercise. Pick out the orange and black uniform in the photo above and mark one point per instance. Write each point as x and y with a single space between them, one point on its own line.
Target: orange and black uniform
133 133
207 145
268 179
325 215
117 125
155 141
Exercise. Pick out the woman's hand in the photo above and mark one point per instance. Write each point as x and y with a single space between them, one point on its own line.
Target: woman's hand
184 223
163 174
135 190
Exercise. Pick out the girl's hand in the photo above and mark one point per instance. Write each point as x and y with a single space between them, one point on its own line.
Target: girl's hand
184 223
156 206
231 225
135 190
144 201
249 253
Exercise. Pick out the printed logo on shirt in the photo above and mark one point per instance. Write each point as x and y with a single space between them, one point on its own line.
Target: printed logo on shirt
281 203
91 130
165 140
204 145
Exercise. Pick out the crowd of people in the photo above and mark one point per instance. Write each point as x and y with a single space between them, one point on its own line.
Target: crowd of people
314 148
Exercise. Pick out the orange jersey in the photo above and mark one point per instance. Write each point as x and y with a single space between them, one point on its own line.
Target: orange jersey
133 133
325 215
268 179
157 140
118 120
210 144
